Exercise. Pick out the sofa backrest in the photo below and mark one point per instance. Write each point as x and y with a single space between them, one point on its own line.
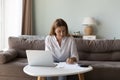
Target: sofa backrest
21 44
100 49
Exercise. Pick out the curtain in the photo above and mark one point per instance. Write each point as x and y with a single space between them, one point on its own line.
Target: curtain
27 17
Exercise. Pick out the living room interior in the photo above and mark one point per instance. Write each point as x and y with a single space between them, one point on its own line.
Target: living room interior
40 16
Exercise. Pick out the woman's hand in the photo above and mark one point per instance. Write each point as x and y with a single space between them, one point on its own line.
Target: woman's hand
71 60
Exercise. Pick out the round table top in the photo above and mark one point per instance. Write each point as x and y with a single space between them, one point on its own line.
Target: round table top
54 71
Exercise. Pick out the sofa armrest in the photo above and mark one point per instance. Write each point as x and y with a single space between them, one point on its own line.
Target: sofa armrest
6 56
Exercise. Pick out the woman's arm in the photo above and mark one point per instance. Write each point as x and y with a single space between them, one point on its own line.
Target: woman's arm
74 54
47 44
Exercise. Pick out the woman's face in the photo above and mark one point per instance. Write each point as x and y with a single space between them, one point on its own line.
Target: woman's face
60 32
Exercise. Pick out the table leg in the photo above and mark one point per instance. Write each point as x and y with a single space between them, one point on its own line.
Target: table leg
81 76
40 78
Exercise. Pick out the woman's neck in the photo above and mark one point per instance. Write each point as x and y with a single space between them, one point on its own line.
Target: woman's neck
59 40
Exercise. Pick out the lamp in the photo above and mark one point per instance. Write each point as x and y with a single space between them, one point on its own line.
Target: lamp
89 22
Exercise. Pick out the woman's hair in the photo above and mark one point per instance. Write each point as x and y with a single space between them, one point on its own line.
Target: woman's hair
59 23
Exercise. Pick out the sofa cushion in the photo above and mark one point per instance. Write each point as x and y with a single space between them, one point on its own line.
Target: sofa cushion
98 45
7 56
23 44
15 69
101 64
102 70
98 50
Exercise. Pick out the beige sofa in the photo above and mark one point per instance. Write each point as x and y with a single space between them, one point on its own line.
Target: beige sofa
103 55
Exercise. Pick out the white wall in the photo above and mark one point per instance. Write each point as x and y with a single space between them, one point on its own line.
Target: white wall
106 12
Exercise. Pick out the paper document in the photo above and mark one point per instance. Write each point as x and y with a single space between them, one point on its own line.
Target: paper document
68 66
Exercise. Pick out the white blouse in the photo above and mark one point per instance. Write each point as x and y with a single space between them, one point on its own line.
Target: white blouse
61 53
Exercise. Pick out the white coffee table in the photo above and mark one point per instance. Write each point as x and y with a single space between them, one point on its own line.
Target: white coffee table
42 72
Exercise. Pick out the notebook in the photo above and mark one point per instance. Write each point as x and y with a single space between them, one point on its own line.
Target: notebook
40 58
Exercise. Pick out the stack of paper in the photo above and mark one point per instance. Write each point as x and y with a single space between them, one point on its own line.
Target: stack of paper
68 66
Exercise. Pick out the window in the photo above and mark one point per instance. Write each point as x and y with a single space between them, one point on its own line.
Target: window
1 25
10 20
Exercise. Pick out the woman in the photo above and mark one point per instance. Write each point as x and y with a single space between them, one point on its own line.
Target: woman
61 44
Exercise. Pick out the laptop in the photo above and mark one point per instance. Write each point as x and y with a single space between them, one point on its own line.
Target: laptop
40 58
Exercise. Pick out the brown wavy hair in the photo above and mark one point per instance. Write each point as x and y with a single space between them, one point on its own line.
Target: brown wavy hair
59 23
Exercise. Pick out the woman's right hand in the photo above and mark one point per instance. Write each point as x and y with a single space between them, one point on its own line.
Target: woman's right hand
71 60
